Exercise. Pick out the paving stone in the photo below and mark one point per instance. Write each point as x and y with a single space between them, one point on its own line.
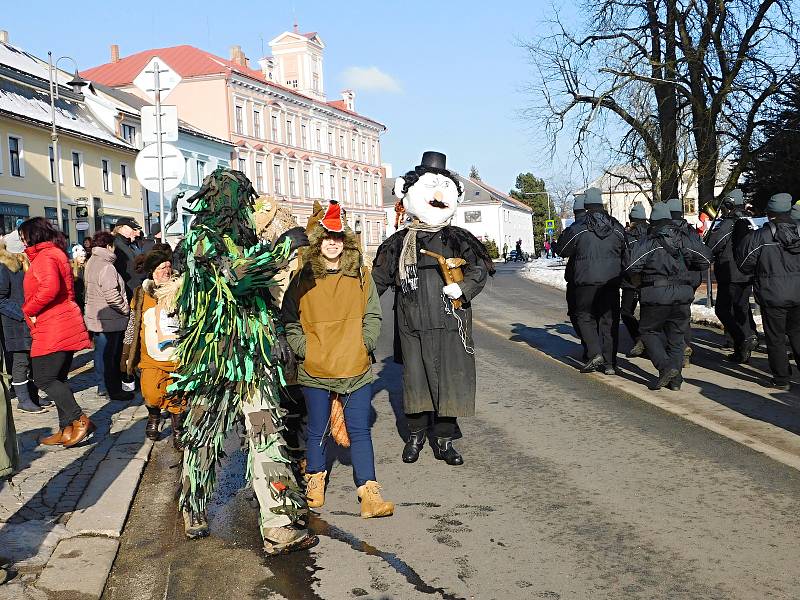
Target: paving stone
79 566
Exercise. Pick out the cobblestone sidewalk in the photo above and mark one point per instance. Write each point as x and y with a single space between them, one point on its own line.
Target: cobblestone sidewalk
61 516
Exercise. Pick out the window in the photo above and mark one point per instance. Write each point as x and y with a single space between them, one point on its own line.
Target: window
187 173
333 186
289 132
129 134
304 135
257 124
331 148
366 192
373 157
276 170
275 128
319 140
321 184
292 182
52 166
688 205
239 119
259 176
353 148
126 182
306 184
375 193
14 153
243 165
106 168
363 151
344 189
77 169
201 171
355 190
341 146
315 82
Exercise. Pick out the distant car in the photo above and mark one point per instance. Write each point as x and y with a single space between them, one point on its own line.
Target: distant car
513 256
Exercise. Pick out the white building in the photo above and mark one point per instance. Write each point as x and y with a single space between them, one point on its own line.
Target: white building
487 213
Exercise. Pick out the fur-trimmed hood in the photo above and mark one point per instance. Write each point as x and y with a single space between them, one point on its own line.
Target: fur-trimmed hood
12 261
351 261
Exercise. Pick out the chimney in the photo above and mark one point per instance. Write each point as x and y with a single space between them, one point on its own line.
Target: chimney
238 57
3 36
114 53
349 97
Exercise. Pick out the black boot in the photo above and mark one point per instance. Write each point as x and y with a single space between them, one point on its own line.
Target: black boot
177 431
675 383
594 364
666 377
153 419
443 450
414 445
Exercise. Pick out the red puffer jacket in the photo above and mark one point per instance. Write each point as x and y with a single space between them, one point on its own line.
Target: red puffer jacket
49 297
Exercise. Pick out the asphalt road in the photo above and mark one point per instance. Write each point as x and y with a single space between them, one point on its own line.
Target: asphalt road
571 489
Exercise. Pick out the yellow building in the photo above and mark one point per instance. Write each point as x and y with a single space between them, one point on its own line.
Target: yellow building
97 165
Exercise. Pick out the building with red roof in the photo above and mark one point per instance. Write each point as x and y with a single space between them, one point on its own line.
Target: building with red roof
290 140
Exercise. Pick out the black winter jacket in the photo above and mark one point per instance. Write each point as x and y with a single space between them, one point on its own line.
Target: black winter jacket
569 271
16 335
665 258
633 233
772 255
720 241
126 254
597 245
690 233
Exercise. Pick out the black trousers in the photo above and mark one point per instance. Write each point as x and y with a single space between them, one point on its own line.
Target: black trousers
50 373
734 312
572 313
778 324
443 427
598 319
663 330
630 298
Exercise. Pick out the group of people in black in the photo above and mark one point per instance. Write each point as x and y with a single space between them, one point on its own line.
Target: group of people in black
659 263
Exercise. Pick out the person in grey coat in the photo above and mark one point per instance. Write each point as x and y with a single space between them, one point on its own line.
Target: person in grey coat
106 315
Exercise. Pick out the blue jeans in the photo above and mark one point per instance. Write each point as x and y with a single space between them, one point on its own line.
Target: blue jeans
107 355
356 417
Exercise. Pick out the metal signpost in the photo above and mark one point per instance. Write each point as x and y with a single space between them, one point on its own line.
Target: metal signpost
157 80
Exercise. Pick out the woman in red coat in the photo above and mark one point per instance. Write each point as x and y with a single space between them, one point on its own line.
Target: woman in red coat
57 327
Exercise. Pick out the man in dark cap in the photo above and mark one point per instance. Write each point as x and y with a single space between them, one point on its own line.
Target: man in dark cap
675 207
597 244
733 286
148 243
772 255
636 230
569 273
663 258
125 231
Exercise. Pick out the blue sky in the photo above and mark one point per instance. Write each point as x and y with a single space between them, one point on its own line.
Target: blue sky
446 76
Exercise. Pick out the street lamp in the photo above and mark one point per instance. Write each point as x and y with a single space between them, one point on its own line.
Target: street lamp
77 83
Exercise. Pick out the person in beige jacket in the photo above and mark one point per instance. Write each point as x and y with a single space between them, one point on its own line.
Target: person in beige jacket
106 315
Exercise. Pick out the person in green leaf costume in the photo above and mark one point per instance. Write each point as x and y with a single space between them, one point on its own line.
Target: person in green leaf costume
230 352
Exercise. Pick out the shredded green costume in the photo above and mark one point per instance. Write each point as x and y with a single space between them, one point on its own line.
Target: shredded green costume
227 362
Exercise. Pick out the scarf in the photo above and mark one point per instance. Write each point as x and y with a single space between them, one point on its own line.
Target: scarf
408 255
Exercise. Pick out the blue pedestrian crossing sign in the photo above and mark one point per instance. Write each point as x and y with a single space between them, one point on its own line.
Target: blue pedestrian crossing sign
550 224
550 231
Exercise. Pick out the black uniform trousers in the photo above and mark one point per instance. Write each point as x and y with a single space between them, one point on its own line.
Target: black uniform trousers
734 312
630 298
572 313
663 331
779 323
597 309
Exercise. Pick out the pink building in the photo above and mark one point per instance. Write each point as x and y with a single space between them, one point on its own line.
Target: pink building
290 141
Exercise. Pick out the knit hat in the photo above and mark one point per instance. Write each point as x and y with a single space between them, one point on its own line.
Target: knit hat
578 204
659 212
637 212
796 211
674 205
780 203
593 197
332 222
77 250
736 196
147 263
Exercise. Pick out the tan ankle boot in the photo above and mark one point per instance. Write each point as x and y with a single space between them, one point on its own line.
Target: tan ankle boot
315 488
372 503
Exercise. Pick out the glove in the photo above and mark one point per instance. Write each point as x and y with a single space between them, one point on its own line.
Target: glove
298 238
286 355
452 291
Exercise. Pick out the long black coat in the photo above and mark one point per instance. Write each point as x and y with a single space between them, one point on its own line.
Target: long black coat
126 254
666 258
772 255
16 335
439 373
720 241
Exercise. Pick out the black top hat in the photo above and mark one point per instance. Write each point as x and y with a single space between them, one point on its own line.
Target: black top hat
433 162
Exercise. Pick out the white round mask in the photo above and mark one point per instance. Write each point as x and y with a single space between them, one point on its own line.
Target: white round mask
431 200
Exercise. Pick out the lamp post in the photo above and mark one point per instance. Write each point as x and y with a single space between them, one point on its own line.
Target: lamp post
77 83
